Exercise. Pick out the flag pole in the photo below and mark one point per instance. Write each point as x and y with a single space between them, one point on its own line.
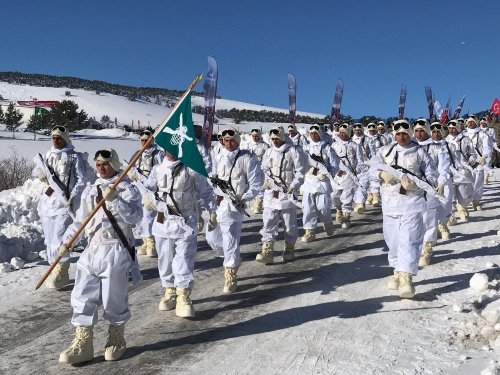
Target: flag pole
120 177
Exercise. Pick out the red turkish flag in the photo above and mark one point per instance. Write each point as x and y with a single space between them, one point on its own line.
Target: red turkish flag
495 107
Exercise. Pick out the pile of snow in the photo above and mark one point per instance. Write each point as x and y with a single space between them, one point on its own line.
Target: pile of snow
20 227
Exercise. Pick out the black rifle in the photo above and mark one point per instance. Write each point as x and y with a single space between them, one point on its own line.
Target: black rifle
227 189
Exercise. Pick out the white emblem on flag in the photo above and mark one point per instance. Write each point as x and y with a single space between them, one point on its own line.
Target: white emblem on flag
179 135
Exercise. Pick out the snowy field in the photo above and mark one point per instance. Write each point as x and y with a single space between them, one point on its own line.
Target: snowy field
328 312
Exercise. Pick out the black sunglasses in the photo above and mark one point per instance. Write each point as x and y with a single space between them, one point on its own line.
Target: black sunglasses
274 131
403 125
106 154
419 122
228 132
357 126
371 126
344 126
436 127
255 131
60 128
314 127
146 132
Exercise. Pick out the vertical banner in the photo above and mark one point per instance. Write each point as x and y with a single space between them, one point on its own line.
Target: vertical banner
495 107
402 102
430 102
292 97
337 102
446 112
210 92
456 114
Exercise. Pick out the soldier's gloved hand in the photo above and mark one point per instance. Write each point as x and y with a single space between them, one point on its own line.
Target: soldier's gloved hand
322 177
481 160
132 176
440 190
69 202
387 177
109 194
212 221
266 185
41 176
408 184
241 205
148 205
62 250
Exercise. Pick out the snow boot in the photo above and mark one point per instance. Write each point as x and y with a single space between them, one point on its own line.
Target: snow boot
328 228
393 282
141 250
288 252
59 277
116 345
376 200
266 256
406 288
476 205
257 206
452 221
151 247
346 220
425 257
338 216
169 300
309 236
201 224
369 199
444 231
359 208
231 283
463 213
184 307
82 347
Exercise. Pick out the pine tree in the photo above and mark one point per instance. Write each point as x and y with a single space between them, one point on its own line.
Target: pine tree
12 118
2 116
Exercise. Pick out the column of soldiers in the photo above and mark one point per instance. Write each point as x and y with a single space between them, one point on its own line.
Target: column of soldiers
423 175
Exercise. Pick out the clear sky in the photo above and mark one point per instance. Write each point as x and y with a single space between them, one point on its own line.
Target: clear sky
374 46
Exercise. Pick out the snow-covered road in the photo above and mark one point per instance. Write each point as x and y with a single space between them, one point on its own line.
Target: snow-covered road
328 312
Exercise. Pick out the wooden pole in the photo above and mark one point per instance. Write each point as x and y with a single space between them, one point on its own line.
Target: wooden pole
115 184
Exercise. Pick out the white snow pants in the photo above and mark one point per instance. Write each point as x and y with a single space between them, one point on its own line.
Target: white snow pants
316 205
53 231
374 184
444 210
146 224
360 193
430 218
477 191
342 199
463 194
101 278
176 261
230 223
271 219
403 235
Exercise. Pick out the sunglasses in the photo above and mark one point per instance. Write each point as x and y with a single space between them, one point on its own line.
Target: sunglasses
344 126
403 125
228 132
106 154
274 131
314 127
60 128
357 126
419 122
255 131
371 126
146 132
436 127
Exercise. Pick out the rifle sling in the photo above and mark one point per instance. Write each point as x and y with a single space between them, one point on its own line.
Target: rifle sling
116 227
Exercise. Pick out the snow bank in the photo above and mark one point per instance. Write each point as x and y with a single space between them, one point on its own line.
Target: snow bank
20 227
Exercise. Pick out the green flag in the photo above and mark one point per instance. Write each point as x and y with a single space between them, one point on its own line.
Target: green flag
177 137
39 111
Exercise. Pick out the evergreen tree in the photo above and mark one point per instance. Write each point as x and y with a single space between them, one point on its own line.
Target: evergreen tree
12 118
38 121
66 113
2 116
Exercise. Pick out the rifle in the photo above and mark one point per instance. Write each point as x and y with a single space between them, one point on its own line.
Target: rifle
282 187
424 185
349 173
321 165
228 190
54 181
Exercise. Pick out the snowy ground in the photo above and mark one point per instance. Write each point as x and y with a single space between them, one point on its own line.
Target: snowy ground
327 312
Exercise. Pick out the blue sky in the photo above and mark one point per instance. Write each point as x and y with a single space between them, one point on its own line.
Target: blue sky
374 46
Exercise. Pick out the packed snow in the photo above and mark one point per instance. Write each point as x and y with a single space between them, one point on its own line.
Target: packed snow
453 325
